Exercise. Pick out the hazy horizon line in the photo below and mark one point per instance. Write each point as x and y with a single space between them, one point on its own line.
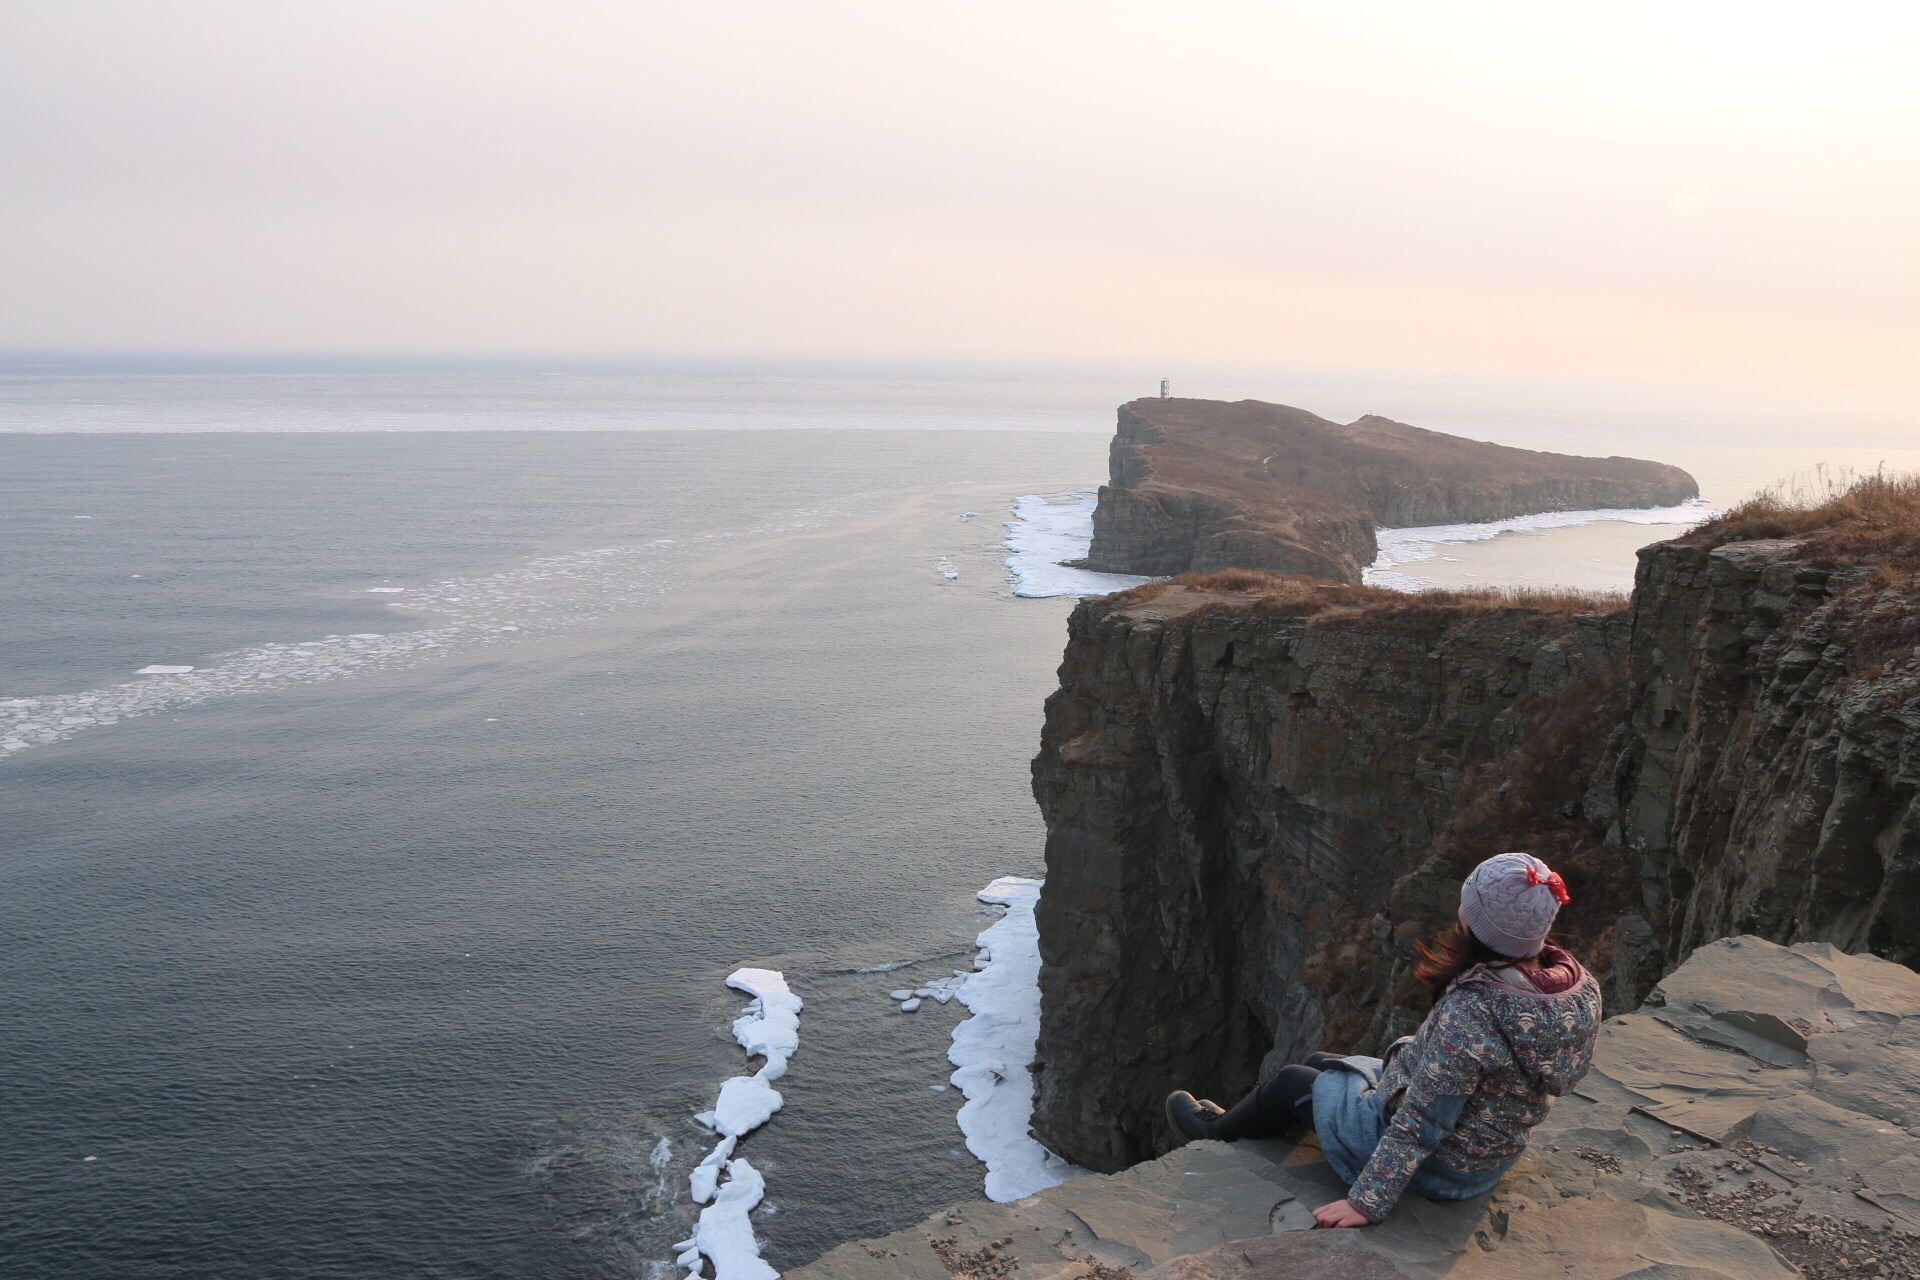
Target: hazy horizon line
27 361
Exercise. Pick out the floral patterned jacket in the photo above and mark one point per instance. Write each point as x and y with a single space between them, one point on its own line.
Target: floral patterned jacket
1476 1078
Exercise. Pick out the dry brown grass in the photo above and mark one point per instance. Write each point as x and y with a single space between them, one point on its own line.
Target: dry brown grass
1145 593
1563 601
1431 614
1847 520
1247 580
1844 516
1288 588
1425 614
1277 590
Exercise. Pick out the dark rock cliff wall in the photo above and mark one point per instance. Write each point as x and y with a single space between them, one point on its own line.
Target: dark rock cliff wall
1776 758
1231 789
1257 799
1162 532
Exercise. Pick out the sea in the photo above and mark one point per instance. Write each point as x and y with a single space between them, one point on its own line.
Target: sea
396 762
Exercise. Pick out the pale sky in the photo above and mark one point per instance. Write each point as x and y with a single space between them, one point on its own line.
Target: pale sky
1727 193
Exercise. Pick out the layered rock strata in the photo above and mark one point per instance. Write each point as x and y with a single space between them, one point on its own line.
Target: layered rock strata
1238 786
1755 1117
1202 485
1775 746
1259 792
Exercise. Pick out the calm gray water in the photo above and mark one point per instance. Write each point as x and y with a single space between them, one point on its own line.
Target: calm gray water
408 971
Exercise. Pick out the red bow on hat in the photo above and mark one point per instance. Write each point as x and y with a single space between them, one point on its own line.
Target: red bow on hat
1552 880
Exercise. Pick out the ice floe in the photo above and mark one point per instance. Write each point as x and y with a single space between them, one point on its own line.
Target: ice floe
1400 547
539 598
992 1050
940 990
724 1233
1046 531
769 1029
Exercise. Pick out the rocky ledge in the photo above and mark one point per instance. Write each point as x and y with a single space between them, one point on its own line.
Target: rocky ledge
1756 1119
1201 485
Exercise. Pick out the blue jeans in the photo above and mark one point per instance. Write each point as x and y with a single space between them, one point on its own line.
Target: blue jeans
1350 1116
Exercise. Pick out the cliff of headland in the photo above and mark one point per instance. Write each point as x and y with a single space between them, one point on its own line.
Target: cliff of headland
1196 486
1259 790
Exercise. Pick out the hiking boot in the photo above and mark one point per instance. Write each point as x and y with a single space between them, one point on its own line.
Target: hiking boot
1191 1118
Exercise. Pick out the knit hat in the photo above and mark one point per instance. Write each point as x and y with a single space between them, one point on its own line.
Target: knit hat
1510 901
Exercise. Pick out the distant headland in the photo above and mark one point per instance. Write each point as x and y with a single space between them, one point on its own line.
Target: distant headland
1196 486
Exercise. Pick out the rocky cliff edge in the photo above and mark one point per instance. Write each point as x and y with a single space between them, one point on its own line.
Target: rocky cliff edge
1756 1119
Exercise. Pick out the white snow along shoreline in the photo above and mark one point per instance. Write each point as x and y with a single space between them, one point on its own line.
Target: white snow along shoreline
770 1029
1401 547
1048 529
992 1051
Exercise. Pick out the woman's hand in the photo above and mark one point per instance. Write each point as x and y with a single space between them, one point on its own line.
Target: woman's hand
1341 1213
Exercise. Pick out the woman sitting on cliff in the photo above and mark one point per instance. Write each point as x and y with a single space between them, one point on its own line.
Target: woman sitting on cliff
1513 1024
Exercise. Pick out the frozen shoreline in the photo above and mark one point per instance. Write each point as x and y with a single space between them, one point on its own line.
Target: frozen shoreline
992 1050
1048 529
1401 547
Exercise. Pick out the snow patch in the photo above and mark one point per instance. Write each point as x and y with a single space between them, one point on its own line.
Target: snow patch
993 1049
746 1103
770 1029
940 989
724 1234
1398 547
1045 532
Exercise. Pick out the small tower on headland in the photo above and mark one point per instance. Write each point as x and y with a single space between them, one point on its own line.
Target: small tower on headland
1166 388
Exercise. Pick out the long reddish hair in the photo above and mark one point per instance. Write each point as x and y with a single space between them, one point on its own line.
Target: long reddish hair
1450 953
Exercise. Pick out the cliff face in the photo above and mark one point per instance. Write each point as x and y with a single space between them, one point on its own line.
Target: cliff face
1259 792
1234 783
1201 485
1776 747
